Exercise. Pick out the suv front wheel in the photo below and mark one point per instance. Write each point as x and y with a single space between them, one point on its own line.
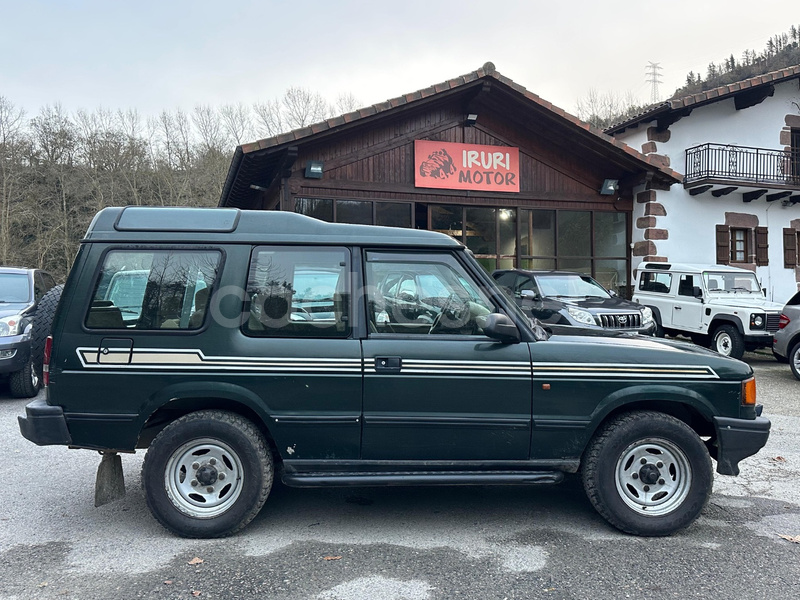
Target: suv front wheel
728 341
647 473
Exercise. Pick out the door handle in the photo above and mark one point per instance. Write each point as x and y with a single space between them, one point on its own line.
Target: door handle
388 364
677 308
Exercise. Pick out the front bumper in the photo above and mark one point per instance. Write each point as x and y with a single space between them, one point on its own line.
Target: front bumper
737 439
21 346
44 425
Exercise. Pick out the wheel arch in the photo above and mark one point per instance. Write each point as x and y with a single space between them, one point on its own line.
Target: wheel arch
178 400
724 320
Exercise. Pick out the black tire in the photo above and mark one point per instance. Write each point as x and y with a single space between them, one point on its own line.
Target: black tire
781 359
201 448
794 360
26 382
618 483
728 341
43 323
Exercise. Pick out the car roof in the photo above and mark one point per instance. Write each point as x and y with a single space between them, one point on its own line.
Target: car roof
691 268
222 225
540 272
20 270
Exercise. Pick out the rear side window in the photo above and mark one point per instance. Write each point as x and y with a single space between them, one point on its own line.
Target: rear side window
156 289
298 292
652 281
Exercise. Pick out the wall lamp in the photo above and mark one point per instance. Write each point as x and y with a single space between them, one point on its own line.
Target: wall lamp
314 169
609 187
472 118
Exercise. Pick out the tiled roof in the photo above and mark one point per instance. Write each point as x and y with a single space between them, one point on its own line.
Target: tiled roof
713 95
486 71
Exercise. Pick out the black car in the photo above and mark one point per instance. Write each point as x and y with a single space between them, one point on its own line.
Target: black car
21 290
572 303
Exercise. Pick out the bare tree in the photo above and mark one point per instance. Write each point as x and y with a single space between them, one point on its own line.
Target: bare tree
303 107
605 109
237 122
12 138
269 118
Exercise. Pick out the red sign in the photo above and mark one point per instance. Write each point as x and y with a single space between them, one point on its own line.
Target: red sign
466 166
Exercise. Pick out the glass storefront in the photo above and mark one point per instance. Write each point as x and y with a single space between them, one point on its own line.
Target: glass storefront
592 242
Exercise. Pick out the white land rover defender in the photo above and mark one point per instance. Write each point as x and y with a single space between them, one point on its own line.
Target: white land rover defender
717 306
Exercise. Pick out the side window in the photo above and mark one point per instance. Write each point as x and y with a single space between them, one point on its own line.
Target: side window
298 292
156 289
525 283
655 281
423 294
686 285
38 286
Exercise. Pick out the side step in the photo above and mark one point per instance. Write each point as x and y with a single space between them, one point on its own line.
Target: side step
421 478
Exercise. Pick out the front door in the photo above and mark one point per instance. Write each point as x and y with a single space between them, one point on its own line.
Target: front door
436 388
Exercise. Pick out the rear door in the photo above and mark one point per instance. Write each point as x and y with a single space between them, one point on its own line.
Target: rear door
436 388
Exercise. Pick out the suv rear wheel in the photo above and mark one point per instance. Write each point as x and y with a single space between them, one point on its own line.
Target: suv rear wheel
25 383
647 473
728 341
207 474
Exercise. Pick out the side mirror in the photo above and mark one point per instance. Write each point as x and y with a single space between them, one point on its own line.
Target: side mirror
612 293
499 327
529 295
697 291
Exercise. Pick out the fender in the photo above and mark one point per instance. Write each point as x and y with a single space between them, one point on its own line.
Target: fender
726 319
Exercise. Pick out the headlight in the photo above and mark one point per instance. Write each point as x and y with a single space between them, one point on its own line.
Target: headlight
757 321
581 316
11 325
647 316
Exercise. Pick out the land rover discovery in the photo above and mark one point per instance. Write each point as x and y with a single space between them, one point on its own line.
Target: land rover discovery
240 346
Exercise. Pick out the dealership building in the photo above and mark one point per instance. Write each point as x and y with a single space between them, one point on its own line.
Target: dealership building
519 181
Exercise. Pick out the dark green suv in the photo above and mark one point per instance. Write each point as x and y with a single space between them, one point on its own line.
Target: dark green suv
241 346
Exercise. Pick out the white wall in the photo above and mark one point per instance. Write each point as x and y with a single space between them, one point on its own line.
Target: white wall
690 219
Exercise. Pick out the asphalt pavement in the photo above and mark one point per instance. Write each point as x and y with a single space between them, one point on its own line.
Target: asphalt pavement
401 543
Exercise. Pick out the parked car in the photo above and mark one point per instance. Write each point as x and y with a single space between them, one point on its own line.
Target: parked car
21 291
408 366
718 306
786 341
573 303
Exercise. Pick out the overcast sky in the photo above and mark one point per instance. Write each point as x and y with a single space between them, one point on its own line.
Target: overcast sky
169 54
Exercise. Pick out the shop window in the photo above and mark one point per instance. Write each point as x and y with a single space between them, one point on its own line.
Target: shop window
482 230
353 211
393 214
318 208
610 234
448 220
574 233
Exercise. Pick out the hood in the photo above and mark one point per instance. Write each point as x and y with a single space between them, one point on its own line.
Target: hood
745 301
596 304
633 349
7 309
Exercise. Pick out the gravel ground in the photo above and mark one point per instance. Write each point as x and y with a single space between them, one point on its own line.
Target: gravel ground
401 543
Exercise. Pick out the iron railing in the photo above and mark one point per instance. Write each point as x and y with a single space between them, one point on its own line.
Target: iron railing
760 166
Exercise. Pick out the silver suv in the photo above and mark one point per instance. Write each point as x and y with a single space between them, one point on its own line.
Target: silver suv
718 306
786 342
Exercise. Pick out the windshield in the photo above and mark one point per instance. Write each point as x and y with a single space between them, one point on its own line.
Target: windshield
14 288
570 286
732 283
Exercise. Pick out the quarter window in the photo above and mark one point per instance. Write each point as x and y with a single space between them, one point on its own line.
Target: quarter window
295 292
655 281
158 289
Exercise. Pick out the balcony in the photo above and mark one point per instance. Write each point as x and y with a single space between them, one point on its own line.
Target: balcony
720 169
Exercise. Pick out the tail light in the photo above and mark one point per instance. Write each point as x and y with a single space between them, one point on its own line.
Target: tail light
784 321
48 348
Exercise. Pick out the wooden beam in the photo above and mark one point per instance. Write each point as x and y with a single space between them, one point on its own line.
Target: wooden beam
701 189
723 191
754 195
672 117
753 96
778 196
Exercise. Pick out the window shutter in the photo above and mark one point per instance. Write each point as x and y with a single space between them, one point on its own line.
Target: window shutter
789 248
762 246
723 245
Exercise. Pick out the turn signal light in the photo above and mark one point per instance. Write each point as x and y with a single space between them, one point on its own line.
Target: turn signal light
749 392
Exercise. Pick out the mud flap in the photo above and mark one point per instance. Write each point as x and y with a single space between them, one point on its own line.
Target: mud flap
110 482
